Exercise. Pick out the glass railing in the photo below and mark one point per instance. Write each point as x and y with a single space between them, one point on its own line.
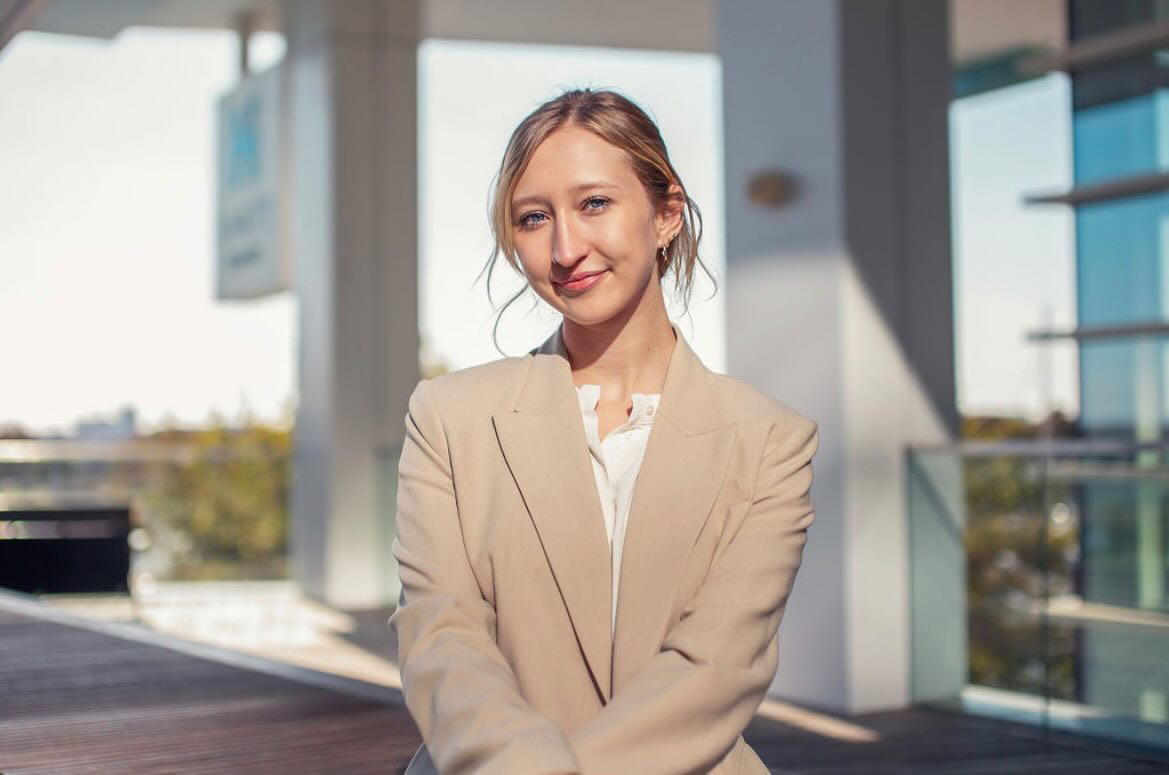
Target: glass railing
102 516
1039 582
188 538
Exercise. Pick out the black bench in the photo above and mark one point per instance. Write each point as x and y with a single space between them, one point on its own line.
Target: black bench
65 549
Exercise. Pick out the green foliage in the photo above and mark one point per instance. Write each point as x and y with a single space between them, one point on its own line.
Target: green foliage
1017 558
223 514
989 428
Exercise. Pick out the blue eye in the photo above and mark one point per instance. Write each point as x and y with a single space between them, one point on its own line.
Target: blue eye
535 218
526 221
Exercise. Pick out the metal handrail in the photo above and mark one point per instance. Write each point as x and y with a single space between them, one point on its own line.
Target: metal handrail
1041 447
119 451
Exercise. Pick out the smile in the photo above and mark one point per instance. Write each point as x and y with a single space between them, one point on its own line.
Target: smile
582 283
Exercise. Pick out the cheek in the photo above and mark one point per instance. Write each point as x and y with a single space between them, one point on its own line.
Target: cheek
536 265
534 262
626 240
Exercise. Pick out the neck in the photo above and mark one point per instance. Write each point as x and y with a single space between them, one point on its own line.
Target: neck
626 354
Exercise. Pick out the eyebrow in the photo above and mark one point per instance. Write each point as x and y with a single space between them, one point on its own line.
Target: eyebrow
592 184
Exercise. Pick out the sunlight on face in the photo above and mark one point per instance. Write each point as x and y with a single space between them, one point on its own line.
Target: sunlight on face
584 228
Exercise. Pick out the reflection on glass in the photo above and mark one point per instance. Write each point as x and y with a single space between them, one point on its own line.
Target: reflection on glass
1060 589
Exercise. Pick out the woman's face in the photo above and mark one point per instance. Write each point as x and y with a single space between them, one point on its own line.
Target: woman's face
584 228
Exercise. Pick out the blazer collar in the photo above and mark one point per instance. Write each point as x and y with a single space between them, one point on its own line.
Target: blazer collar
685 462
686 396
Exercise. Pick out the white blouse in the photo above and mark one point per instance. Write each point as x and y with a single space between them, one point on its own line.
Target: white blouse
616 461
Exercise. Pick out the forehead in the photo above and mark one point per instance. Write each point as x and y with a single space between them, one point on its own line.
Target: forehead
569 156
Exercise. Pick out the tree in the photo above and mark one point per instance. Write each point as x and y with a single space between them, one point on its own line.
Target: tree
223 513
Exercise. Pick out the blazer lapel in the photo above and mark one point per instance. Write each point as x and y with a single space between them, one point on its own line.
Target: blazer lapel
544 443
685 463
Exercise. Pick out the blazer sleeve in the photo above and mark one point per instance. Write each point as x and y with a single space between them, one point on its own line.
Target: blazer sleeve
687 707
458 686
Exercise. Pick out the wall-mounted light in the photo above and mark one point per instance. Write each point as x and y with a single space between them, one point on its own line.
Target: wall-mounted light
772 189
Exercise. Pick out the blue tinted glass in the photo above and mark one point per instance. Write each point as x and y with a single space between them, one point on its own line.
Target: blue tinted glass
1119 260
1122 385
1117 139
1109 538
1106 386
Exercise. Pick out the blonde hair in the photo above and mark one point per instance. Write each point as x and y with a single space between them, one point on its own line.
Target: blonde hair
620 122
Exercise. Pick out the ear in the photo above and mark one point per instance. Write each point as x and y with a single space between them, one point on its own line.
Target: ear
668 219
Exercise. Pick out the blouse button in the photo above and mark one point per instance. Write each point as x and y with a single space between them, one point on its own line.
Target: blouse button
649 410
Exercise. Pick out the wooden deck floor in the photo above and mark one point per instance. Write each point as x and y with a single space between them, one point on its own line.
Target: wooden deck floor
75 699
926 742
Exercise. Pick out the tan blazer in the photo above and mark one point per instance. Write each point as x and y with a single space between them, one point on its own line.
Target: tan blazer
508 663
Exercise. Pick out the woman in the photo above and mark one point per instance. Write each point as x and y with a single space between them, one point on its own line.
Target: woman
555 618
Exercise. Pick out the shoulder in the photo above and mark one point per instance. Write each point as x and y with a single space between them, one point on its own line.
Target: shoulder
475 390
748 406
783 440
493 375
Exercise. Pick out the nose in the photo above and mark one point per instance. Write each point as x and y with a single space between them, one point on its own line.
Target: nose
567 245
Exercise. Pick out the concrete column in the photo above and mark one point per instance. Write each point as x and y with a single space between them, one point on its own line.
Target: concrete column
840 302
352 70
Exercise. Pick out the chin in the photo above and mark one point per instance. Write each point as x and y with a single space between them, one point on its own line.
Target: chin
587 321
591 313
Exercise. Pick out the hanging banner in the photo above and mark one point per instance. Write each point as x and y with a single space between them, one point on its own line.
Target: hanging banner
252 252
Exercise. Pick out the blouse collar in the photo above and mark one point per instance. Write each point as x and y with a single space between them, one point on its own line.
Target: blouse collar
644 404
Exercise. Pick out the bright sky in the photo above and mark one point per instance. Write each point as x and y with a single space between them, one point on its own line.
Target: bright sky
107 238
107 233
1012 261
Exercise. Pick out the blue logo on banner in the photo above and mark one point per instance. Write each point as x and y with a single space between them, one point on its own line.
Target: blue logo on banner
243 137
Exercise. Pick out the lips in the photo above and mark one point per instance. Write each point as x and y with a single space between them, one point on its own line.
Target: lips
581 281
